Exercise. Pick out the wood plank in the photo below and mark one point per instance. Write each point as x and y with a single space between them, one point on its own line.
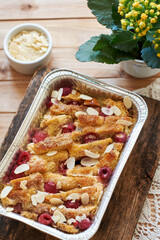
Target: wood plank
41 9
11 94
65 58
125 206
5 121
65 33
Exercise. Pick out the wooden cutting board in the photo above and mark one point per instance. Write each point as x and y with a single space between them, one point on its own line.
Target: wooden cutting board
124 209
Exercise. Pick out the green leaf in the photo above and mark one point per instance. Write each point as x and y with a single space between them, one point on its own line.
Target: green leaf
98 49
86 53
156 26
149 36
123 40
116 18
102 9
149 55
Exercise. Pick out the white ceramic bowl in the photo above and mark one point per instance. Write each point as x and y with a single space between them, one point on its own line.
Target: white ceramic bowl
28 67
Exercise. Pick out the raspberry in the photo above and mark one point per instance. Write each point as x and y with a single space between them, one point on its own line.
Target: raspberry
66 91
68 128
63 168
105 174
39 136
45 219
72 204
89 137
48 102
12 174
74 103
84 224
75 224
17 208
23 158
17 154
120 137
102 114
50 187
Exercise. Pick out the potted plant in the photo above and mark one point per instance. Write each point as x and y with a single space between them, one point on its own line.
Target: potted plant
135 36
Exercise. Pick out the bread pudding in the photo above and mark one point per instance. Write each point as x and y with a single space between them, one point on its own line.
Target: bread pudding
59 178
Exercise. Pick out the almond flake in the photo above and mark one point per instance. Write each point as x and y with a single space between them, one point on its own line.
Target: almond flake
71 220
33 199
80 218
9 209
56 201
77 114
74 92
109 148
6 191
116 110
127 102
60 91
55 218
53 208
107 111
23 184
85 97
86 161
21 168
92 111
91 154
54 94
51 153
85 198
73 196
70 162
61 206
58 185
58 217
54 101
124 122
40 196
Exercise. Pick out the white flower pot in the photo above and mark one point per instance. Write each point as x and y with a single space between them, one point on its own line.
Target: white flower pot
138 68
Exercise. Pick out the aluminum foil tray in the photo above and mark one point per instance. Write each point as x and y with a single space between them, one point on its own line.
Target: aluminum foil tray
89 86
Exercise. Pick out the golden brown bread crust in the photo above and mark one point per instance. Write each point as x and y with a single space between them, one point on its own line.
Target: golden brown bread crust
109 160
91 120
51 143
78 150
66 109
68 183
33 181
53 124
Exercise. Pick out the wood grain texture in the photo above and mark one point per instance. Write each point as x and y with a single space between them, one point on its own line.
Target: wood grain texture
65 33
41 9
5 121
127 201
65 58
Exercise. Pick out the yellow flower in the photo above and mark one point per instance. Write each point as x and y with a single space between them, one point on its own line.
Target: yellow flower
139 14
156 46
153 20
144 16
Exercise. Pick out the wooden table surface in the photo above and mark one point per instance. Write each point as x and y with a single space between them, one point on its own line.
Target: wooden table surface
70 23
